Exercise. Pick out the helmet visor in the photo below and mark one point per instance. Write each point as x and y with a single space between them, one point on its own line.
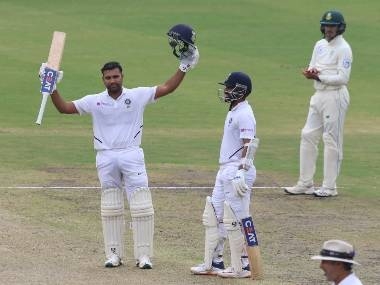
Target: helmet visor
232 93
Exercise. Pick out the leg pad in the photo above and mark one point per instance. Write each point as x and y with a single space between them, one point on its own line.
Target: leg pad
142 214
112 213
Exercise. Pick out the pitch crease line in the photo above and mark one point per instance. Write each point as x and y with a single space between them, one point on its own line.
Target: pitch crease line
151 187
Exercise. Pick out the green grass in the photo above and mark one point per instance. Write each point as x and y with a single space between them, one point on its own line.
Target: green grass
271 40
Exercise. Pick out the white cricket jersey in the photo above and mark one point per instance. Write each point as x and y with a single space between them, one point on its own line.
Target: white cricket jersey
333 60
117 124
240 124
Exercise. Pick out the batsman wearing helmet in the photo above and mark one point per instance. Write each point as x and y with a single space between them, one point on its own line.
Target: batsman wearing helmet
329 68
229 203
117 119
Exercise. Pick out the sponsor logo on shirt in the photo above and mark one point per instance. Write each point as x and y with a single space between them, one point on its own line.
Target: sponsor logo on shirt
103 103
246 130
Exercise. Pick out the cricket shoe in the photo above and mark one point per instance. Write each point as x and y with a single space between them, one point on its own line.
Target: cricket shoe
113 261
300 189
202 270
325 192
231 273
144 262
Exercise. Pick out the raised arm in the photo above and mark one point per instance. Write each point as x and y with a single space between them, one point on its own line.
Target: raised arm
182 40
64 107
170 85
188 61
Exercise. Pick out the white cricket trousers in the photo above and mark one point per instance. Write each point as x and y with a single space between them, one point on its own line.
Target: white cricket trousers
326 117
223 191
122 168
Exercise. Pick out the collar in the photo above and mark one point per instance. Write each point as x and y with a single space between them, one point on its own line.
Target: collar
123 92
239 105
335 40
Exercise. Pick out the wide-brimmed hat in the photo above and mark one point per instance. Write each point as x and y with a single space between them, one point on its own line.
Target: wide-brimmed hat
337 250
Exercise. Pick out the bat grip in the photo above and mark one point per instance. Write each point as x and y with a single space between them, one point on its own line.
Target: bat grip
42 108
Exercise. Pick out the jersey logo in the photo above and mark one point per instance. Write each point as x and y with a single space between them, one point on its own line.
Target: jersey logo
346 63
246 130
128 102
320 50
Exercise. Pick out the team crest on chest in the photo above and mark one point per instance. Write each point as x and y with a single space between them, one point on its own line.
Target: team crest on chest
128 102
321 50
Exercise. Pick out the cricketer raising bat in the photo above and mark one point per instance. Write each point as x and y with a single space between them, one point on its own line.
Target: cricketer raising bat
51 72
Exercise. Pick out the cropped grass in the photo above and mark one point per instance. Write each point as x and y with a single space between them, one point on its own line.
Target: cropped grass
270 40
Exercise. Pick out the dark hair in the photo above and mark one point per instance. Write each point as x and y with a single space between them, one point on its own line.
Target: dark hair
111 65
347 266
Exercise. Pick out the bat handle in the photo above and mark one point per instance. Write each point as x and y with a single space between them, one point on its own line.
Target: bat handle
42 108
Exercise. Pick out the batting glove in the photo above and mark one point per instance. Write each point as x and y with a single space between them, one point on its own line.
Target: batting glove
189 59
238 182
41 75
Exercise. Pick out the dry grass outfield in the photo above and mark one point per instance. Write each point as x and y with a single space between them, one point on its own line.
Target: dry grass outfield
54 237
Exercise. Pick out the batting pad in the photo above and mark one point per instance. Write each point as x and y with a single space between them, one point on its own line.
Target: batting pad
112 212
142 214
211 232
235 236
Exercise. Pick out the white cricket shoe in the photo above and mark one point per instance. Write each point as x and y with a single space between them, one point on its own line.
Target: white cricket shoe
202 270
300 189
113 261
144 262
231 273
325 192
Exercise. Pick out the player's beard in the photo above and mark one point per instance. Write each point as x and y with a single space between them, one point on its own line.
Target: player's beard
114 89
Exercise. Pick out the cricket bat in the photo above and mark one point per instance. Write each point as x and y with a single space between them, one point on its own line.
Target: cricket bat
253 249
51 74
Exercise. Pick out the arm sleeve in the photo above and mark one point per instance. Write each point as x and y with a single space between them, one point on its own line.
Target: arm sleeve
149 93
247 127
83 105
312 60
343 71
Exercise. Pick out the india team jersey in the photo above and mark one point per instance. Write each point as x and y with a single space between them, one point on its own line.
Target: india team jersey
333 60
240 124
117 123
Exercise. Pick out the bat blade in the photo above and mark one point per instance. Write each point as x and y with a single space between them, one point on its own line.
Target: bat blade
53 62
255 262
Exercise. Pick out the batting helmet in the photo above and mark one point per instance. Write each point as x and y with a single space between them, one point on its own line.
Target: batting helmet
181 36
239 86
333 18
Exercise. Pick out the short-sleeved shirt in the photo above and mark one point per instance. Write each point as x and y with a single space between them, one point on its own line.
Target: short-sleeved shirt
117 124
240 124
